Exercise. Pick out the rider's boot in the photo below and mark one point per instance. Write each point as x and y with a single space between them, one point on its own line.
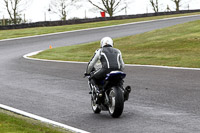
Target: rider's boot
91 85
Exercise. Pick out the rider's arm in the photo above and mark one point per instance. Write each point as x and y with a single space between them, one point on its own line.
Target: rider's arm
121 61
93 61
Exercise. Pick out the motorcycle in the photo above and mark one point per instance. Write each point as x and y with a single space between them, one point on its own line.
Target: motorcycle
109 94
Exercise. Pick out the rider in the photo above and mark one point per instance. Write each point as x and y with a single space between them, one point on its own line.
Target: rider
110 58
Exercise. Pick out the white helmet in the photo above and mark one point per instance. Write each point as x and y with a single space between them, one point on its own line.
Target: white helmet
106 41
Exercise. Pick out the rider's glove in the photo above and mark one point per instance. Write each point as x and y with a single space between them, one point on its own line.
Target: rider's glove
85 74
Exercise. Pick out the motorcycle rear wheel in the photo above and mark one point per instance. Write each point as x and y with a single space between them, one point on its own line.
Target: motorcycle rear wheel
116 99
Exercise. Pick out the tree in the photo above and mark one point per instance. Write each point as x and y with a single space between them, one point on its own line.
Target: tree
61 7
14 9
177 3
155 5
109 6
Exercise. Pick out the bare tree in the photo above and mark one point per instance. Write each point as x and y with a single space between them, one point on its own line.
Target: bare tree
177 3
126 5
155 5
62 7
108 6
14 9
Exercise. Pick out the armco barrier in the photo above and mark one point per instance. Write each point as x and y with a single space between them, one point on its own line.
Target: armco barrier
80 21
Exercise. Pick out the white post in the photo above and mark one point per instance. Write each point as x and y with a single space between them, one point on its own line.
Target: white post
85 14
45 16
3 22
24 18
147 9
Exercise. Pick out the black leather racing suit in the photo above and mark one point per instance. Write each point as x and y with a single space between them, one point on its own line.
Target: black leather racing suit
111 60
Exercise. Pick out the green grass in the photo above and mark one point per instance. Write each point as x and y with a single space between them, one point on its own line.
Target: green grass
174 46
12 123
6 34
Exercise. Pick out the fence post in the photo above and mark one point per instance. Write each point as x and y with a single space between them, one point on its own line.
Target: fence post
3 21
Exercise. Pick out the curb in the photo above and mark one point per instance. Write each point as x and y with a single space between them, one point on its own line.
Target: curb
130 65
26 56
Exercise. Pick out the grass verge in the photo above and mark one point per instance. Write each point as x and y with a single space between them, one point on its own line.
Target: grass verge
12 123
174 46
6 34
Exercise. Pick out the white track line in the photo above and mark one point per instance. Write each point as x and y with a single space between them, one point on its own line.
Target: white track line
27 56
69 128
166 67
57 33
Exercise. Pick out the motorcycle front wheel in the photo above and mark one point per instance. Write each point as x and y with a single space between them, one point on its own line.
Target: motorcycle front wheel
116 102
95 107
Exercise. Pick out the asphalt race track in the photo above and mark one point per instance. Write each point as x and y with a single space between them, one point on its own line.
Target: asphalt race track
162 100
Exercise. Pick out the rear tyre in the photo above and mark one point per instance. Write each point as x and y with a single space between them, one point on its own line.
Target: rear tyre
95 107
116 99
